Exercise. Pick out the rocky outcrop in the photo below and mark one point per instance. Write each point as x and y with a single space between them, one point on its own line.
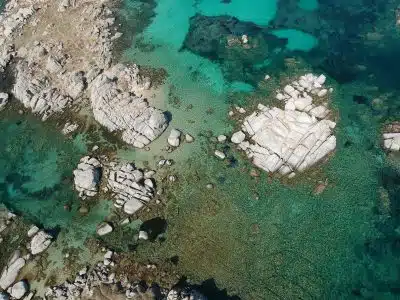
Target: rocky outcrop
130 188
100 282
87 177
125 111
294 138
391 137
40 242
37 94
11 270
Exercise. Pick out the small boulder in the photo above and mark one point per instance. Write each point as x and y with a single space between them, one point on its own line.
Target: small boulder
104 228
40 242
174 138
19 289
238 137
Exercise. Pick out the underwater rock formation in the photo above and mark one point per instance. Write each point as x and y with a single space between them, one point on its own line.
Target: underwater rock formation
242 48
294 138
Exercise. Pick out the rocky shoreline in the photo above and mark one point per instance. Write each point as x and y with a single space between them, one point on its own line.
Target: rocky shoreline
61 68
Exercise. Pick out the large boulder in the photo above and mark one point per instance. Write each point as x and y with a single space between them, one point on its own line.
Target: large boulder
104 228
125 112
40 242
87 176
11 270
294 138
174 138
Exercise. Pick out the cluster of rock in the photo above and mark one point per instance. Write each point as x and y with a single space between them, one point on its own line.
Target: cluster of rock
175 138
102 280
294 138
53 75
124 111
391 137
38 243
87 177
132 188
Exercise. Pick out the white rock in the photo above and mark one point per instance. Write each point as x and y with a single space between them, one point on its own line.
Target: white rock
87 176
238 137
40 242
19 289
104 229
322 93
221 138
219 154
174 138
108 254
139 123
143 235
3 100
126 182
189 138
33 230
11 271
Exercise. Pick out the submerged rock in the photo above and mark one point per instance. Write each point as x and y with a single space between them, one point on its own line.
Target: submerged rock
293 138
40 242
87 176
4 296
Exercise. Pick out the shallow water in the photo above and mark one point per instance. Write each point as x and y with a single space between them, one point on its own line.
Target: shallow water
260 238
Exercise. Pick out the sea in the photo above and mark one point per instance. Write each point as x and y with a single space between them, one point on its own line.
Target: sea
249 237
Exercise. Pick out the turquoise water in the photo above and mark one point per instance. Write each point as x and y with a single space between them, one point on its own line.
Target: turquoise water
258 238
308 4
297 40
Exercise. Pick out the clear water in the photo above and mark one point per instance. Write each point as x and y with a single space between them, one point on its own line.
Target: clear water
259 238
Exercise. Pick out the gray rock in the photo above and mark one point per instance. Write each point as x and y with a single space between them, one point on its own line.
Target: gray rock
3 100
130 192
174 138
238 137
126 112
40 242
33 230
19 289
104 228
11 271
87 176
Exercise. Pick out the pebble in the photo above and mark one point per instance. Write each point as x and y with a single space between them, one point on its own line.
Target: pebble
210 186
189 138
